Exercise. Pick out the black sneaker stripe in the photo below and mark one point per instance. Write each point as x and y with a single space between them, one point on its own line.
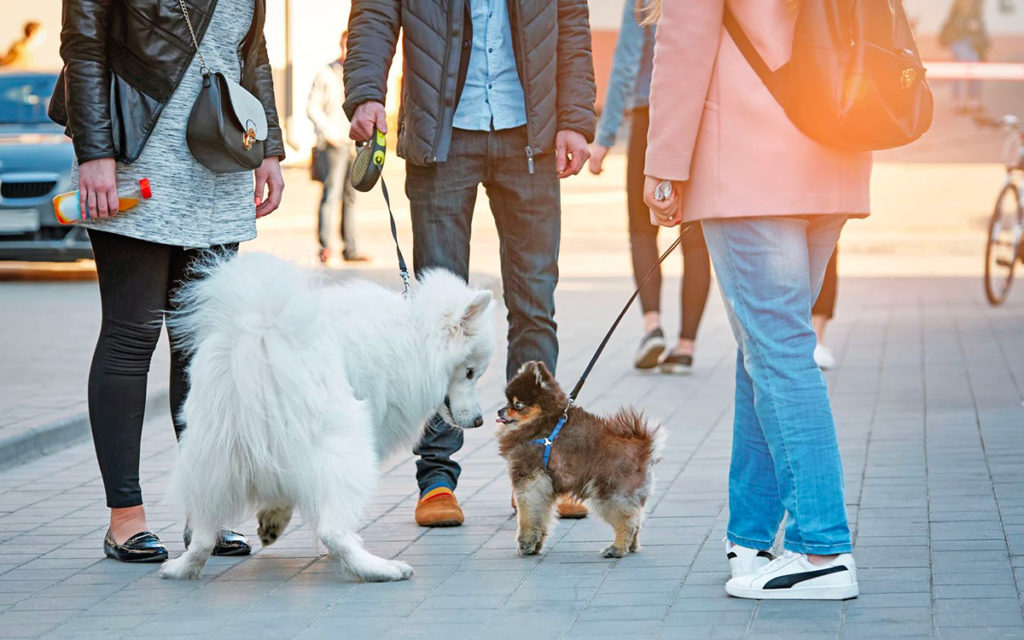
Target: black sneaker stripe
765 554
731 555
786 582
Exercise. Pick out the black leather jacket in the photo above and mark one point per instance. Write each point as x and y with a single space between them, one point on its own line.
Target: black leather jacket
123 59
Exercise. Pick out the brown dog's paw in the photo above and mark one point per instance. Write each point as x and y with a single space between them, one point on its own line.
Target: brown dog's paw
272 524
530 545
611 551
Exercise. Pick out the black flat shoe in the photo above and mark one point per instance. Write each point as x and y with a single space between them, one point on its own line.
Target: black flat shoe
142 547
230 543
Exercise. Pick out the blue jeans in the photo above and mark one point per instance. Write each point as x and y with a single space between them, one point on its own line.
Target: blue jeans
337 194
527 213
785 457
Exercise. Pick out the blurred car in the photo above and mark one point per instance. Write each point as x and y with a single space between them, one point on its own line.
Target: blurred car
35 165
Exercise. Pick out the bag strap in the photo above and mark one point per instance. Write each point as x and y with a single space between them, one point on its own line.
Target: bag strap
749 51
202 61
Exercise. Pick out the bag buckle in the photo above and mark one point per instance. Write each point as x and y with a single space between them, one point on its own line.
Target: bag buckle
249 138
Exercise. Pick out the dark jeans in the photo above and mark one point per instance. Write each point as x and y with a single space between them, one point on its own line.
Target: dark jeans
526 209
137 281
338 194
643 241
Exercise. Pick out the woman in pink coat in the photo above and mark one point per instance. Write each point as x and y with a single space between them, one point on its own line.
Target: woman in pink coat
772 203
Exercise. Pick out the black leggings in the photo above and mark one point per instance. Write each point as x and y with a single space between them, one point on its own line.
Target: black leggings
825 305
137 283
643 238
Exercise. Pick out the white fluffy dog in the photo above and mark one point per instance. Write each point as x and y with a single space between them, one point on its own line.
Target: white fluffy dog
299 389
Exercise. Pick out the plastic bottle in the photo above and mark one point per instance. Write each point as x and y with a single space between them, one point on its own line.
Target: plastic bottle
68 210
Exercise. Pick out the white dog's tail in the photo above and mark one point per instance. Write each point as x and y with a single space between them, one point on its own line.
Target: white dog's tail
256 379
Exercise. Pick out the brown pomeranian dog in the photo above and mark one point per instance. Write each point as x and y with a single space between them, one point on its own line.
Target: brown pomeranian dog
606 460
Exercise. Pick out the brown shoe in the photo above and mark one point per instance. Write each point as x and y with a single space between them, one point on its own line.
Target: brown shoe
439 508
571 509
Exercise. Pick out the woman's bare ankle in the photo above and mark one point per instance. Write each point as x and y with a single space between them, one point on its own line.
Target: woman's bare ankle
652 320
685 347
125 522
813 559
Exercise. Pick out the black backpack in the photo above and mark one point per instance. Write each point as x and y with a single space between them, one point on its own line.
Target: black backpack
854 80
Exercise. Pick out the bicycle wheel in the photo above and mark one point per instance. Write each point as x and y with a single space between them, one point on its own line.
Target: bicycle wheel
1003 248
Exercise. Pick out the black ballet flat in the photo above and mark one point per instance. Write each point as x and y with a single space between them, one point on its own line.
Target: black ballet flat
142 547
229 543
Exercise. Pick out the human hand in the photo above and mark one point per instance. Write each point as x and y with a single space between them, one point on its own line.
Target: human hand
667 212
367 116
97 188
570 152
268 177
597 154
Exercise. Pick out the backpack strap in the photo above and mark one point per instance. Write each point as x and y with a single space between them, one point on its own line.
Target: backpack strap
746 47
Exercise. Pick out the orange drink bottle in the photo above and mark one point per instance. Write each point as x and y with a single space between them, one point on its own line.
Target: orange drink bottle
68 209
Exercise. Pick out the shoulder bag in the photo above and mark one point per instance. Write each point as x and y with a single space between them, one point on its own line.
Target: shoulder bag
228 125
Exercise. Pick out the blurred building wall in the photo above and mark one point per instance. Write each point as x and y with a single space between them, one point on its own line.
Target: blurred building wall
13 16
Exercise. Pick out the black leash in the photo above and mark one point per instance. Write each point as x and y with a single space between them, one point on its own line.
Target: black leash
550 440
402 269
597 354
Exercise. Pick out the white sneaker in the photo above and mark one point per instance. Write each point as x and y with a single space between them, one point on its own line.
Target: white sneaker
791 576
823 357
744 561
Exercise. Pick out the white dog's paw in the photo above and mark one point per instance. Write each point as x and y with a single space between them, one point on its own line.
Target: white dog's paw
180 569
389 571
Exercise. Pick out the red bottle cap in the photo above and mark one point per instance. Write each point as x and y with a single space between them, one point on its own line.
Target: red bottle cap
144 189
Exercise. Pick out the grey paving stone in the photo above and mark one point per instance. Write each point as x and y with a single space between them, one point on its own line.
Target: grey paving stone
920 533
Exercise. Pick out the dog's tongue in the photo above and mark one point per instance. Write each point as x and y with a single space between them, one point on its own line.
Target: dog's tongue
501 420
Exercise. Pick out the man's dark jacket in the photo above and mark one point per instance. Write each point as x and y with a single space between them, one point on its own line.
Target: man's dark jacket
551 40
123 59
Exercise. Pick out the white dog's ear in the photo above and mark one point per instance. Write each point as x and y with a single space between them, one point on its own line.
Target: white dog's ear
480 302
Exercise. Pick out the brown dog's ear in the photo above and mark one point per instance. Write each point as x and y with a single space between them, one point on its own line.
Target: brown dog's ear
543 373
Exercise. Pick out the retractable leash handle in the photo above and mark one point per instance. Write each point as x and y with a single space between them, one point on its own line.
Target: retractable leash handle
661 192
366 171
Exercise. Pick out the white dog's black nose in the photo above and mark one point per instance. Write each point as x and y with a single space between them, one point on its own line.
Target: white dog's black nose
478 422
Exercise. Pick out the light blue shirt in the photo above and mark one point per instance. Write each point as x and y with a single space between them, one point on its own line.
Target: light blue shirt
630 83
492 97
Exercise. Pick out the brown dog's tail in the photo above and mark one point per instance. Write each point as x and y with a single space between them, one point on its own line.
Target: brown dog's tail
634 424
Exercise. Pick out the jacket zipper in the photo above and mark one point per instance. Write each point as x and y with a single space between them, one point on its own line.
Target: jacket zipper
513 21
444 83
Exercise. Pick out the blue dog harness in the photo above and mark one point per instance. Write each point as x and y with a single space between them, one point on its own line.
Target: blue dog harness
550 440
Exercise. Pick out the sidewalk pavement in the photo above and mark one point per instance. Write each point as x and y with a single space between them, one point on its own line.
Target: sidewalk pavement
928 403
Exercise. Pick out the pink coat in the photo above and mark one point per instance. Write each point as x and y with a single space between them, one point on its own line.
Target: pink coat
715 125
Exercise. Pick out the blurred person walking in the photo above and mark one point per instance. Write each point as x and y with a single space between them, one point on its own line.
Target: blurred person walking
823 310
495 93
772 202
332 157
964 33
21 55
145 255
629 90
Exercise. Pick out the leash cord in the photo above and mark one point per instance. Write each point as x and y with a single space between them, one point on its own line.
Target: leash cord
597 354
402 268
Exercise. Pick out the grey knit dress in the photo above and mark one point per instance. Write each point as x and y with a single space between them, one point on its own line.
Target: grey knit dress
191 205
